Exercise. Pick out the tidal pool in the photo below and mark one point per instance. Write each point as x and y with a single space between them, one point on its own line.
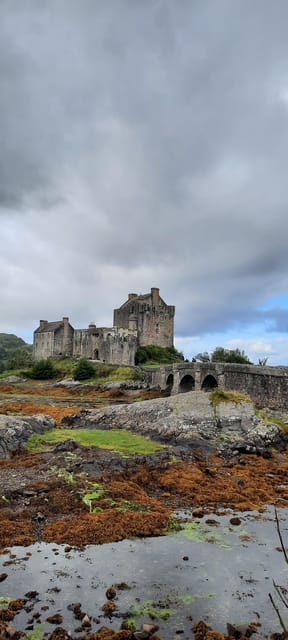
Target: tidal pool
215 573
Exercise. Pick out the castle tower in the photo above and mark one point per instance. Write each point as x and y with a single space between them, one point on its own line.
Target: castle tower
150 315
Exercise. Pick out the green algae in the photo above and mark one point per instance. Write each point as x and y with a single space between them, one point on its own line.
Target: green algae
197 531
188 598
4 601
149 608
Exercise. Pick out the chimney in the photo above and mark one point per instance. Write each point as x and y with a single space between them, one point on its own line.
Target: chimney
155 296
43 324
132 295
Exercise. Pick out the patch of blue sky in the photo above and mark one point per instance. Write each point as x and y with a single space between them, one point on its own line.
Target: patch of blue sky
275 302
258 341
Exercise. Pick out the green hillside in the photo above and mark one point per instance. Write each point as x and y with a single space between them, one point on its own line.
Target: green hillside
14 352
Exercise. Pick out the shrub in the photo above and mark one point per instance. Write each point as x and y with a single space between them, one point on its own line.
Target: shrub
83 370
160 355
43 370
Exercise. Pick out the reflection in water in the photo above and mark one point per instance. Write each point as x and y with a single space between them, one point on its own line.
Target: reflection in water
217 575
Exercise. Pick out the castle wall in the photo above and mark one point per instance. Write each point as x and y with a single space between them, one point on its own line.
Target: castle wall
114 346
43 345
155 326
86 344
118 346
67 340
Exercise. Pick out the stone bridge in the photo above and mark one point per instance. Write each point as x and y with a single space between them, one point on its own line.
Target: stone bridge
267 386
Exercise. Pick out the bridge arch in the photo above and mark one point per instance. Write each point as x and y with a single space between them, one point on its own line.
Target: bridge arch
169 382
187 383
209 383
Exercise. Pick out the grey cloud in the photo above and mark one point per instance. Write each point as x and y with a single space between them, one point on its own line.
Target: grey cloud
144 141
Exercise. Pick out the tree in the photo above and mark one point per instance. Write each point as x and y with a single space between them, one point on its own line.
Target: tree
83 370
229 355
43 370
203 357
157 355
224 355
20 357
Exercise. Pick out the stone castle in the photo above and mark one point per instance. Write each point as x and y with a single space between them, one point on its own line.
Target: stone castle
141 320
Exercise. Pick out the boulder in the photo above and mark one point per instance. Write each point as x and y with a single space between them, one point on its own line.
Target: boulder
14 431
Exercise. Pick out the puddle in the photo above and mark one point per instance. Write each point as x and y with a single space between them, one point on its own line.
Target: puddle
220 580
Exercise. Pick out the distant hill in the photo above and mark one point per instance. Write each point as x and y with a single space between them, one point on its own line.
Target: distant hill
13 351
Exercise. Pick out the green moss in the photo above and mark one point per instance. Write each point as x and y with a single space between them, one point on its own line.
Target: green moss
129 505
118 440
217 396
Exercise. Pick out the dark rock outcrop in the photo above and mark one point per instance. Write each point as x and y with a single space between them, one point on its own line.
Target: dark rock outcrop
14 432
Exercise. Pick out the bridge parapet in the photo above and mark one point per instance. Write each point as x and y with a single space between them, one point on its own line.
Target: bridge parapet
267 386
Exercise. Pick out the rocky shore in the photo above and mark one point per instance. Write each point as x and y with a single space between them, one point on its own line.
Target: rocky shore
189 419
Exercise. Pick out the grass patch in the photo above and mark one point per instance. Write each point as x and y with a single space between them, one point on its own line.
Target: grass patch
268 419
103 372
217 396
118 440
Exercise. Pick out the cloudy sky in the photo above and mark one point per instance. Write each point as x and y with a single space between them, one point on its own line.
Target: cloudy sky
145 143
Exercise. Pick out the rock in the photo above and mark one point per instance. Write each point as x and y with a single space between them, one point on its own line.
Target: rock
12 380
189 419
67 445
150 627
55 619
239 631
15 431
10 631
235 521
111 593
108 608
68 382
39 517
60 634
3 576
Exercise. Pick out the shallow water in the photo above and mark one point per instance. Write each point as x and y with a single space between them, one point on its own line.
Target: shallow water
225 577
